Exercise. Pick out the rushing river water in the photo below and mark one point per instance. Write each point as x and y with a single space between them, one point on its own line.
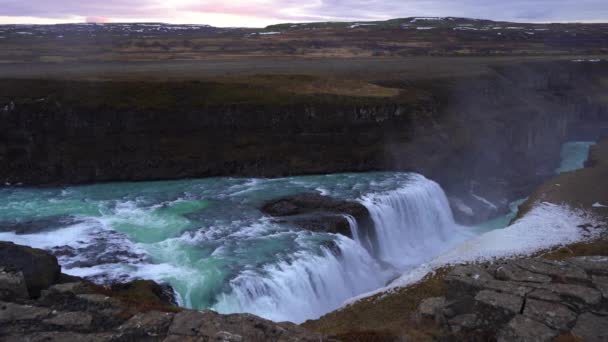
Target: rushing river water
209 240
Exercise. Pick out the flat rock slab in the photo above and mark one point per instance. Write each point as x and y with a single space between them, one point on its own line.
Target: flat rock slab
56 336
555 269
70 320
524 329
597 265
75 288
591 328
494 308
466 281
510 272
578 293
511 287
601 283
151 323
503 301
10 312
553 315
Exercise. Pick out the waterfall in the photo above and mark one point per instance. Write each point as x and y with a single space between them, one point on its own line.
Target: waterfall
413 223
307 286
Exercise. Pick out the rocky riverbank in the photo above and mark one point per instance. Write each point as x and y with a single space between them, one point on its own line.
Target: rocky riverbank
39 303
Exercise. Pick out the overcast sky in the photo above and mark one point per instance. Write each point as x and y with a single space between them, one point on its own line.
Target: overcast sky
265 12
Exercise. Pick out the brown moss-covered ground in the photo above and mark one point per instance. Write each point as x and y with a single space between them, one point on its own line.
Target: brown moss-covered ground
384 316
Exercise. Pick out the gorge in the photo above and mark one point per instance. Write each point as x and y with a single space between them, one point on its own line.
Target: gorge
209 240
294 188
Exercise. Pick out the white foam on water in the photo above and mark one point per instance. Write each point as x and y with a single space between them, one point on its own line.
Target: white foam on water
76 236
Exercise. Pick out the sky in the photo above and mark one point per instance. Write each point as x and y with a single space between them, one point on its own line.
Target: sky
260 13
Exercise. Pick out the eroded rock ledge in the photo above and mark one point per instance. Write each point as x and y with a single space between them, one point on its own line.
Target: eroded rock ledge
526 300
315 212
71 309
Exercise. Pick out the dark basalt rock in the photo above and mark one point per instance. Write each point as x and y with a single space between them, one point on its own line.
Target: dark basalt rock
141 310
530 299
146 291
313 202
314 212
40 269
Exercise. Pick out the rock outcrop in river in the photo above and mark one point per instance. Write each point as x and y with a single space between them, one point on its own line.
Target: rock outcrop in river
318 213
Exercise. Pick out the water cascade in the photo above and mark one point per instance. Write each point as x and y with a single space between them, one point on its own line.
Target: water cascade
413 223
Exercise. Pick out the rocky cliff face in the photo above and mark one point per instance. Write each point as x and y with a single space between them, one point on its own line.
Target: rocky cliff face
493 136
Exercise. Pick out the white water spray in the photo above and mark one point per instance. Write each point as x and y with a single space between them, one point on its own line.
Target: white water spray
414 223
306 286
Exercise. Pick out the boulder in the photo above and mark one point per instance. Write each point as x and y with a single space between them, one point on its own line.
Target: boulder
40 269
494 308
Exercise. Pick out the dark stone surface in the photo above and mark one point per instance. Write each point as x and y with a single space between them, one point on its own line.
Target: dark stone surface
553 315
12 284
137 311
530 299
524 329
147 290
40 269
317 213
591 328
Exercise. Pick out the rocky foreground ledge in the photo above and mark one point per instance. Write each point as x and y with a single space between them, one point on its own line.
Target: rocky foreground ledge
525 300
39 303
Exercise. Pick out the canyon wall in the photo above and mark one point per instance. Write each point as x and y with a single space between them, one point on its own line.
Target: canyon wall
494 135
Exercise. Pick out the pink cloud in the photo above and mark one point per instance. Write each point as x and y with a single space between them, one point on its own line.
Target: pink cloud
97 20
256 10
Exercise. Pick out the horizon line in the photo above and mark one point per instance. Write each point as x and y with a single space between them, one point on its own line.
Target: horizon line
594 21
